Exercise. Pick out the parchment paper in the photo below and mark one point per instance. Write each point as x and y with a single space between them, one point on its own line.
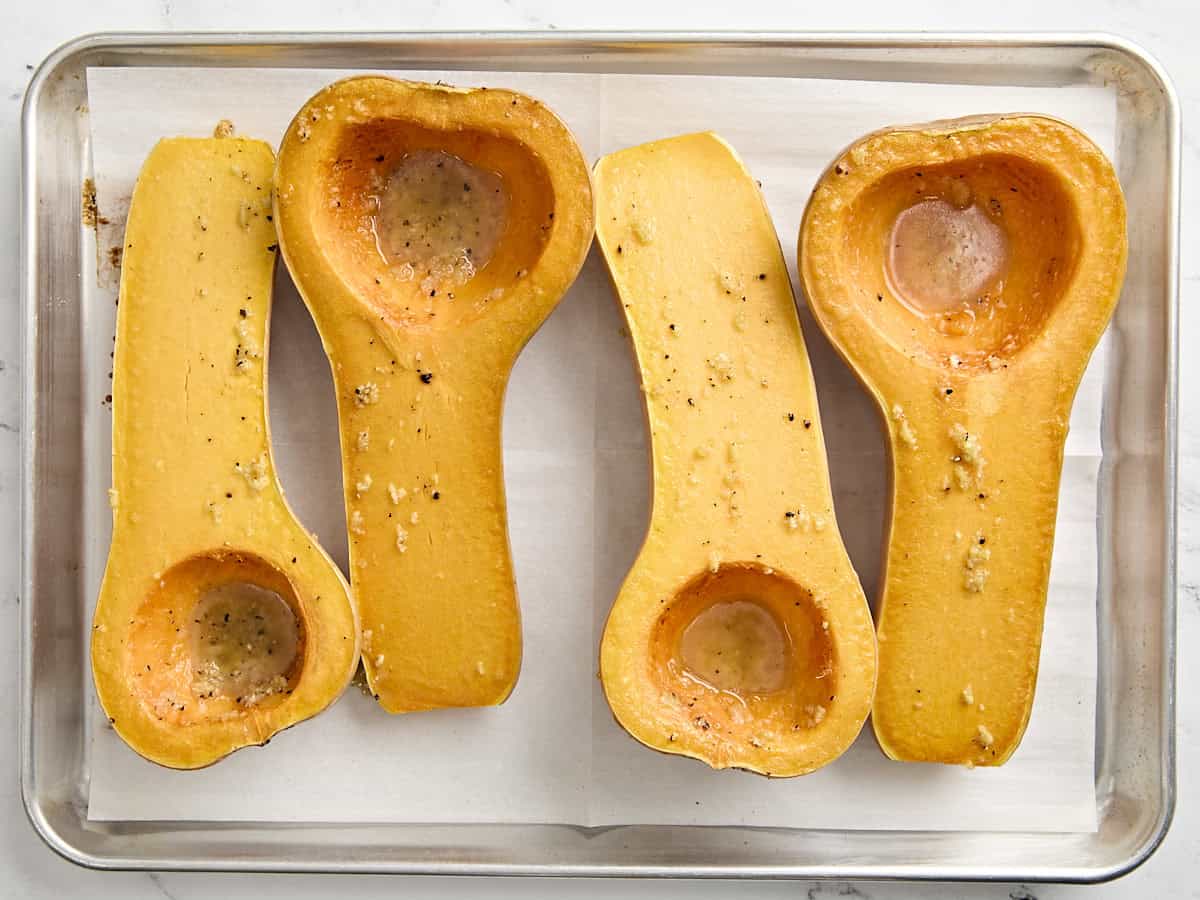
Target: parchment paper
576 472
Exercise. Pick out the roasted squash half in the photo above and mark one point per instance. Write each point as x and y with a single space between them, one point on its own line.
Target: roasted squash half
741 636
430 230
965 270
220 620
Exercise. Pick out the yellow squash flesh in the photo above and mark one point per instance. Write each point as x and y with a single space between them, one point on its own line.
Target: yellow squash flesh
742 532
420 367
976 399
196 503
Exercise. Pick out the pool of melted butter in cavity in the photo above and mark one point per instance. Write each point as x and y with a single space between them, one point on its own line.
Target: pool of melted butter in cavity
439 219
244 642
736 646
944 257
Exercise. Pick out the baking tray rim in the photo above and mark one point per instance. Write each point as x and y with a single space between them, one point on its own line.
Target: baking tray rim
134 41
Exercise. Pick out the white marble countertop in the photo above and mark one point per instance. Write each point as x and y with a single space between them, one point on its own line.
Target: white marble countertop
29 31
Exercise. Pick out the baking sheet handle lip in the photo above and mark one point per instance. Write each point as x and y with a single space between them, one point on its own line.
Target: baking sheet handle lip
833 39
1157 75
71 51
915 872
1174 128
28 248
28 325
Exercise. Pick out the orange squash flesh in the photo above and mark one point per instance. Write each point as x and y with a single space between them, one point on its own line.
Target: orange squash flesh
976 397
741 636
196 503
420 365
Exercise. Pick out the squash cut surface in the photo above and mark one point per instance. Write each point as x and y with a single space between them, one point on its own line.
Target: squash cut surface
430 230
220 620
741 636
965 270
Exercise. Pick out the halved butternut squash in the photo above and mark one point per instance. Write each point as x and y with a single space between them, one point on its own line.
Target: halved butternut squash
220 620
430 230
965 270
741 636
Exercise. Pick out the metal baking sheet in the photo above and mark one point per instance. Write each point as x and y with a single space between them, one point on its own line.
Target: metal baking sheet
1134 768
